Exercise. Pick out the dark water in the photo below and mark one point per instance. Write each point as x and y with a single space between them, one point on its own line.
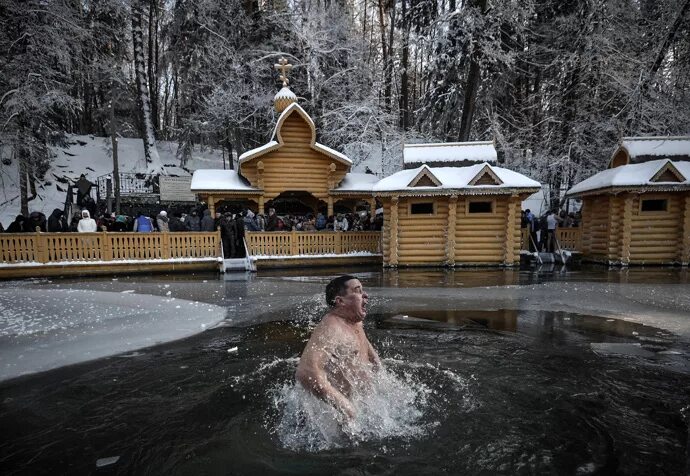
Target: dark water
505 392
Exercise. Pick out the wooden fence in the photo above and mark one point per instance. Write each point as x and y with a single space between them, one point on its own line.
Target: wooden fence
106 246
568 238
307 243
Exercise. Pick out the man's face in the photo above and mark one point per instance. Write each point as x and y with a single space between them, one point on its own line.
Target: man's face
354 303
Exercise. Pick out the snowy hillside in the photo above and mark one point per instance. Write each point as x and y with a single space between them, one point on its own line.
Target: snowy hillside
91 156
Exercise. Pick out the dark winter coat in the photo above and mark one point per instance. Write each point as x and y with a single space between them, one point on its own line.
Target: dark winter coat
57 222
175 224
17 226
36 220
207 221
272 223
193 223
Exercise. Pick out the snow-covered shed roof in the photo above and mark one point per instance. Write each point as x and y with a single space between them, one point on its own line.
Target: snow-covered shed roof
212 180
474 179
448 153
634 150
277 141
356 182
661 174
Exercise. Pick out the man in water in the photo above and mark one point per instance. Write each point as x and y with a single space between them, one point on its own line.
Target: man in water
338 358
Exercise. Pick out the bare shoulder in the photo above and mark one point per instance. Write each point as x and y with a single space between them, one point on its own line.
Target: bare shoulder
330 328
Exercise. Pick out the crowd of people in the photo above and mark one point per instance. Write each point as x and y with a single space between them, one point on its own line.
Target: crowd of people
542 229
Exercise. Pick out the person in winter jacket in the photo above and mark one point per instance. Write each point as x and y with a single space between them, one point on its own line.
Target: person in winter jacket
193 221
17 226
57 222
143 223
320 222
120 224
86 224
207 221
36 220
162 221
272 221
176 223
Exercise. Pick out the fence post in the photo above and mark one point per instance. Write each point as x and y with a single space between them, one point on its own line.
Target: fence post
293 242
337 243
107 246
41 248
165 245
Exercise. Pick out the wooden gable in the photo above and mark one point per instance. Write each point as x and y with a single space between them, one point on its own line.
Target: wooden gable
668 173
425 179
486 176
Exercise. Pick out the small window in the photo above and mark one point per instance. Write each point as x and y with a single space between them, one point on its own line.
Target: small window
481 207
656 205
425 208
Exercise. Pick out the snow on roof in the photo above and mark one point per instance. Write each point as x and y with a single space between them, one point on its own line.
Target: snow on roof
258 150
449 152
656 146
453 178
286 93
357 182
274 143
632 175
225 180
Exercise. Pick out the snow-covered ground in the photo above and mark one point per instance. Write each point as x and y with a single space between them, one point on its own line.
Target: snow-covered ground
91 156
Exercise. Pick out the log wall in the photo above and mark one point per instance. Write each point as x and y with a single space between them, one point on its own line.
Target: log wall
451 235
616 231
295 165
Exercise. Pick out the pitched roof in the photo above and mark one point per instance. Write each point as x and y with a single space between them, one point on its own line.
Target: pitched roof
454 152
220 180
642 149
277 141
356 182
456 178
635 176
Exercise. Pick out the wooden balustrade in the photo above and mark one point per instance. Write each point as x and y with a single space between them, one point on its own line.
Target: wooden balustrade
312 243
568 238
106 246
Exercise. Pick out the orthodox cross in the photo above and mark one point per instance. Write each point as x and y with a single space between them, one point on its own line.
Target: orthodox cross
283 67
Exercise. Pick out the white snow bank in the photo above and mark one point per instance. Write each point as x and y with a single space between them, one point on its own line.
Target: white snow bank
449 152
656 146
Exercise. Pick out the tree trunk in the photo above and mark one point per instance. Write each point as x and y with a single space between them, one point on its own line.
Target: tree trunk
471 86
23 185
384 50
389 65
113 142
153 161
153 61
404 64
666 45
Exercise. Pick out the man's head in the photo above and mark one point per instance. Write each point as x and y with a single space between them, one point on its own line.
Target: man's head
346 295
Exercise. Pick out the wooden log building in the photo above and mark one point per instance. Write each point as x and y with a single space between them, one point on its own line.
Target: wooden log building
638 210
291 168
452 216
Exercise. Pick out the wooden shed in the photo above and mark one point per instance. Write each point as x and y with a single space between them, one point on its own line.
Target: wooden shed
291 166
638 211
452 216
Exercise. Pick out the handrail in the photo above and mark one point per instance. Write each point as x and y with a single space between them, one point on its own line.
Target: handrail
107 246
293 243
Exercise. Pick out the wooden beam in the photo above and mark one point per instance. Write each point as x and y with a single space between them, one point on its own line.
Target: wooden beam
509 255
626 232
684 251
450 232
394 231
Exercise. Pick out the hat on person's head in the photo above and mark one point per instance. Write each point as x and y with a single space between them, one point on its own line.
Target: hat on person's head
164 213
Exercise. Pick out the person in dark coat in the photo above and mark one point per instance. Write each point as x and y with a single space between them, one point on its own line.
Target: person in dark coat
207 221
17 226
176 223
239 230
120 224
228 235
272 220
36 220
83 186
57 222
193 221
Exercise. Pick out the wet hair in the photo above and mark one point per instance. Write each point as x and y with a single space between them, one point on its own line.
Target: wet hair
337 287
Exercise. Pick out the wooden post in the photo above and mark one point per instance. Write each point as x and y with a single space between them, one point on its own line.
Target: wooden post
330 206
611 231
509 256
293 243
212 206
394 231
372 207
684 251
261 205
106 247
450 234
337 242
626 230
41 248
165 245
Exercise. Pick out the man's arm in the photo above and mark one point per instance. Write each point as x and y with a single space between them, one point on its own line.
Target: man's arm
374 357
312 375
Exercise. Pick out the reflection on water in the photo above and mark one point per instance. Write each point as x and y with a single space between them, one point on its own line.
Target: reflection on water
505 392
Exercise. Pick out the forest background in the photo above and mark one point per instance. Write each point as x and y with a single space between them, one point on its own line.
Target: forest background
555 83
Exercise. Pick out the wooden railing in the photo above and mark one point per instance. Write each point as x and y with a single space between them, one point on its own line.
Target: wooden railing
293 243
568 238
106 246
